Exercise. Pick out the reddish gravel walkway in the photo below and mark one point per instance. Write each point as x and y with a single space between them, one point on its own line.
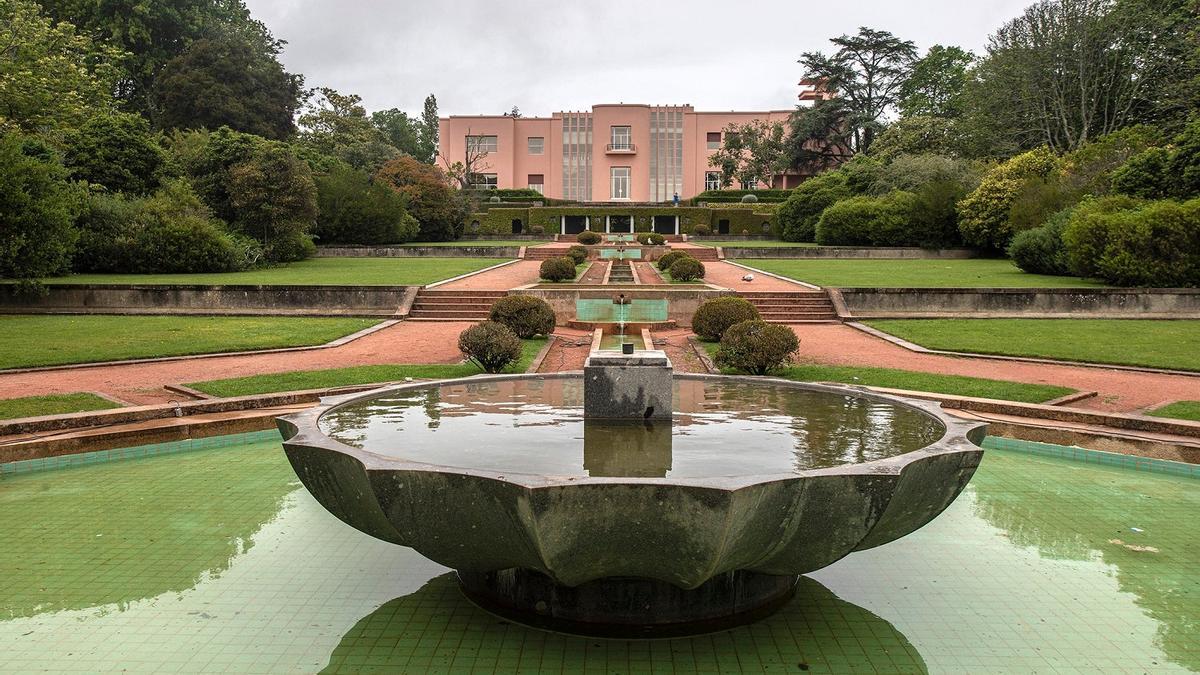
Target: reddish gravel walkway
721 273
1119 390
504 278
406 342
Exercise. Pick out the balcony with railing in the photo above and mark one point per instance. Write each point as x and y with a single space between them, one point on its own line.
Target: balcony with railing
620 149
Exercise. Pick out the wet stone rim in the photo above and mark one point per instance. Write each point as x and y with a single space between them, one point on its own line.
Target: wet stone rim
302 430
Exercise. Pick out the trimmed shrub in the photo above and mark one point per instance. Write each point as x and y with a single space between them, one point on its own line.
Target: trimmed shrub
578 253
526 315
664 263
1086 233
870 221
491 346
1041 250
716 316
757 347
106 229
749 199
1156 244
985 215
798 216
686 268
537 231
701 230
355 210
650 239
588 238
557 269
175 233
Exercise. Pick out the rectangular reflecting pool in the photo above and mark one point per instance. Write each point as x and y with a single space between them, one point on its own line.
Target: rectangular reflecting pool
218 560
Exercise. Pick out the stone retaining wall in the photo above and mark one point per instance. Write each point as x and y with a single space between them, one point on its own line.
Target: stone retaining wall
847 252
1136 303
366 301
481 251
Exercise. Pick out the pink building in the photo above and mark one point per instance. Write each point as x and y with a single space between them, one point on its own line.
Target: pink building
615 152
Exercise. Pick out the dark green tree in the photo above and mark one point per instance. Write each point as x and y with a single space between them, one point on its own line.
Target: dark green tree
356 210
337 125
935 86
429 131
866 73
221 81
275 201
38 206
116 151
401 131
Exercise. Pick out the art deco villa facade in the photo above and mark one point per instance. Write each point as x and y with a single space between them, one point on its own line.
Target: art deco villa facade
615 152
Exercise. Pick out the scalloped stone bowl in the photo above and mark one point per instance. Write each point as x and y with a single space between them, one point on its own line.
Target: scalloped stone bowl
708 517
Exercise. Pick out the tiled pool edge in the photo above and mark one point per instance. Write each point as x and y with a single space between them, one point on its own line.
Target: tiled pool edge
1113 459
114 454
1117 460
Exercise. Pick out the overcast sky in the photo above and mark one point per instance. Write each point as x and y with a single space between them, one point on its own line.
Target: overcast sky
550 55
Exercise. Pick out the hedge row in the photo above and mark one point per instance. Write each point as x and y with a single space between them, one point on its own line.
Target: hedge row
714 196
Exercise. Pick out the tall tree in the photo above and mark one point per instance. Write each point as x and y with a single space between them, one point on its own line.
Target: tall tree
430 199
50 77
37 208
819 137
429 131
337 124
866 72
752 152
401 131
222 81
935 86
153 33
1068 71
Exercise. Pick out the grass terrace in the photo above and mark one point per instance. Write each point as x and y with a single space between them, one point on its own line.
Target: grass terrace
1129 342
356 375
315 272
971 273
51 340
752 243
467 243
53 404
1181 410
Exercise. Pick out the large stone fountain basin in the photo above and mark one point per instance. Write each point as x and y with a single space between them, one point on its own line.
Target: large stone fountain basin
683 531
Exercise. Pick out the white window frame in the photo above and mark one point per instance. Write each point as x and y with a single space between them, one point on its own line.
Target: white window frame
619 183
751 185
541 145
623 141
490 181
483 143
712 180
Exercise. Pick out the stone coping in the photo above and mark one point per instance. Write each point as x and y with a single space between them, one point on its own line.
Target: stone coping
301 430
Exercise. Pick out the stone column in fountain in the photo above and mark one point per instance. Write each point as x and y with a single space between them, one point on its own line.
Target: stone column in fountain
634 386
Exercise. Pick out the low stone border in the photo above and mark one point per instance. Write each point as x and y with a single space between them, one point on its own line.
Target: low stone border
1033 303
192 357
702 354
536 364
1072 398
914 347
481 251
755 270
471 274
848 253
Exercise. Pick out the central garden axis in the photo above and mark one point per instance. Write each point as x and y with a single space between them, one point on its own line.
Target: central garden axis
667 526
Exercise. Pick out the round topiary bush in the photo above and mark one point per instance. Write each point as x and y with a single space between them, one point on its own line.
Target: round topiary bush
715 316
537 231
1041 250
557 269
664 263
526 315
588 238
686 268
749 199
757 347
577 253
491 346
701 230
494 200
651 239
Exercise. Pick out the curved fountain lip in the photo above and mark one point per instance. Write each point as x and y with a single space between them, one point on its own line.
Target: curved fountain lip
957 436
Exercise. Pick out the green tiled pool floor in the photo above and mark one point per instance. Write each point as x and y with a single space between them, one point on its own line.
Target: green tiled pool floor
218 561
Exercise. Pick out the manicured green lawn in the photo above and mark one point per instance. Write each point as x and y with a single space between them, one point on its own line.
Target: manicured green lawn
1181 410
1130 342
343 377
52 404
757 243
974 273
27 341
955 385
314 271
476 242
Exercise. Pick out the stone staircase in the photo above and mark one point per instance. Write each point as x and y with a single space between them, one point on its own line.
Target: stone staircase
793 306
701 253
432 304
544 252
622 273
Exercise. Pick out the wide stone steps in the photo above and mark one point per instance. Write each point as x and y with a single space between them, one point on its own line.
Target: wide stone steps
544 253
701 254
453 305
793 307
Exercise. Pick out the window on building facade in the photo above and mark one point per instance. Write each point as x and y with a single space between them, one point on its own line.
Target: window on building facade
482 143
750 185
620 182
622 138
537 182
537 145
714 140
712 180
484 181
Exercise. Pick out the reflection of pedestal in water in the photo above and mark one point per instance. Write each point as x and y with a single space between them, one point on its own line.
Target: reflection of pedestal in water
615 449
628 386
